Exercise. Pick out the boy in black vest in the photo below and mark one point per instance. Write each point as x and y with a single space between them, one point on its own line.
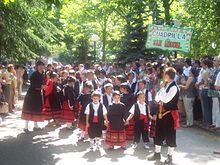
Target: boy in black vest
96 113
142 86
140 113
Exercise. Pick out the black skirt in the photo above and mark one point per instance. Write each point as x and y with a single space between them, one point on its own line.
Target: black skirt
33 105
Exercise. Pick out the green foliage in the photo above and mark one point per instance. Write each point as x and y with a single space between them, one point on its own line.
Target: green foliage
26 33
63 28
203 16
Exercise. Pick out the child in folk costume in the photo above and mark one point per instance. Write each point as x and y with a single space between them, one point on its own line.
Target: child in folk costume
139 111
95 115
107 97
84 99
115 135
107 101
68 102
52 106
127 99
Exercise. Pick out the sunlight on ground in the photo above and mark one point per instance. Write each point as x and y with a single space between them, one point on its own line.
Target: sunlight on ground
61 146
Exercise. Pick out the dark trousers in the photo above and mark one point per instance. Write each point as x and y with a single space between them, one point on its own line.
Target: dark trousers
95 130
140 129
165 131
207 107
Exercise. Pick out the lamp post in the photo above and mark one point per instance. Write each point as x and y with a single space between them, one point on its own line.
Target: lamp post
94 39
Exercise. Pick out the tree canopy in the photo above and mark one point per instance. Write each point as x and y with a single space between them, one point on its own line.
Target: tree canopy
62 29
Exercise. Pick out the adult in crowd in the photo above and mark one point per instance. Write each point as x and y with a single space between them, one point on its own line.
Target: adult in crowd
167 119
33 102
214 94
206 101
188 91
20 74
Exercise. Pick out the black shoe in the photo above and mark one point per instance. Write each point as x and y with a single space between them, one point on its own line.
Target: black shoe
37 129
81 139
12 111
169 160
123 148
154 157
26 131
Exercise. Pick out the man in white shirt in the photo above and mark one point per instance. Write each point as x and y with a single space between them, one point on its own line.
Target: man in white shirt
167 119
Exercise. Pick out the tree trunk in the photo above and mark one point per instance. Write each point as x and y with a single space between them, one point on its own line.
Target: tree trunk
166 5
104 37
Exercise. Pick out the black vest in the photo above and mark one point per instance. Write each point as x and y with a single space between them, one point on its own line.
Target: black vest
146 97
100 114
172 104
137 111
105 101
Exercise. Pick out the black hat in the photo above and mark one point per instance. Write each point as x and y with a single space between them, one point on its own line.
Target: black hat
38 63
125 85
188 61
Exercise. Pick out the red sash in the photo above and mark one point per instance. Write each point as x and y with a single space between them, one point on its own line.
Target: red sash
145 118
95 119
176 119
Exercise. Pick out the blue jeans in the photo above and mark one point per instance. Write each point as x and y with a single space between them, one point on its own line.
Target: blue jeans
207 107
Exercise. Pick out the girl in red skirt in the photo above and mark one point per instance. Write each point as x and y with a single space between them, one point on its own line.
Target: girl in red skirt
128 100
52 106
116 115
68 103
84 99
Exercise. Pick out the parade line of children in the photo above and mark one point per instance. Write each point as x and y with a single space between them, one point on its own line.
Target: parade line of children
116 110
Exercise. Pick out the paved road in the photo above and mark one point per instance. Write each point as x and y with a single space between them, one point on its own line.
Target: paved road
58 146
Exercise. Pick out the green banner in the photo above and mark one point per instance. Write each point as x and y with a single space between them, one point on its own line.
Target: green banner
169 38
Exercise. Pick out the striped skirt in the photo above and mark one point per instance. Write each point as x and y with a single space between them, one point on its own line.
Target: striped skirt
130 130
51 113
67 115
115 138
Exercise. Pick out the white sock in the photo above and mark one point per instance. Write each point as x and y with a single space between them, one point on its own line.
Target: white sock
83 134
92 142
170 151
36 125
69 125
104 134
157 149
97 140
26 124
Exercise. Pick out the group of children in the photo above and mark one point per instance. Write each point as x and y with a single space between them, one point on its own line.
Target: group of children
111 111
116 116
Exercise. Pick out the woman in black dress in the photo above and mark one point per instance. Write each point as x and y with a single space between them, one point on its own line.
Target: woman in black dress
33 102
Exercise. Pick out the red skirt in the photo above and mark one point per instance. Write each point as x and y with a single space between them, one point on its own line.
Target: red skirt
130 130
67 115
32 116
115 138
81 126
49 114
